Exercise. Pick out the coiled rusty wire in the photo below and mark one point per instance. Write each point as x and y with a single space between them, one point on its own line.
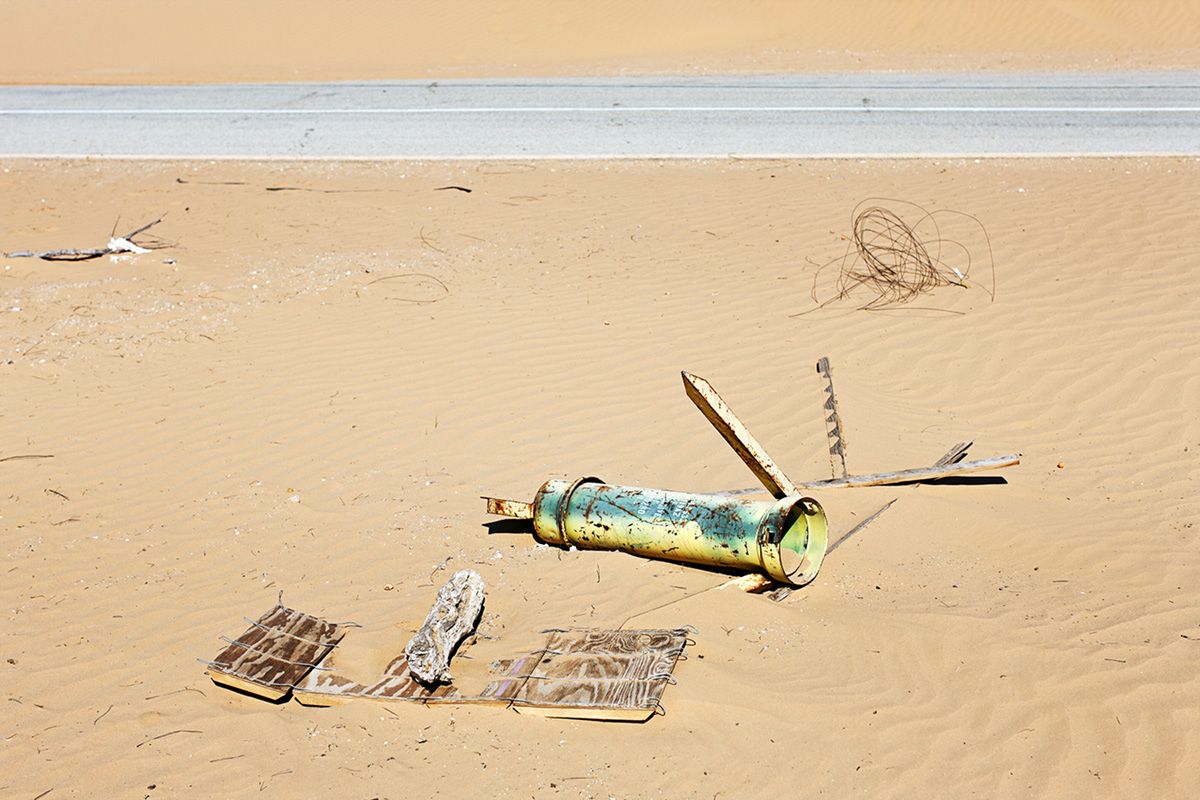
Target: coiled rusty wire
888 261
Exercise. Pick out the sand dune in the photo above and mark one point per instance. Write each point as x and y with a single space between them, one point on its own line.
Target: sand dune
188 41
266 414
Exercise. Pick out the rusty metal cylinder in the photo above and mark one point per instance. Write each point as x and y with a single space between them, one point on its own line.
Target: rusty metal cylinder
785 538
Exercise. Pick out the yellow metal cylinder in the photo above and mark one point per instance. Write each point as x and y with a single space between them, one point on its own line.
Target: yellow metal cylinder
785 538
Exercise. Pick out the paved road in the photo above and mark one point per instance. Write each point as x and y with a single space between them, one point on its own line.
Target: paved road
869 115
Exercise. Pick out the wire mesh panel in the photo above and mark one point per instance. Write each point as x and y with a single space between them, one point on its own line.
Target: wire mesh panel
592 674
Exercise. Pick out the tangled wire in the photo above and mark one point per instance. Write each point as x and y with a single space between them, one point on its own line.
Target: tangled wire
893 264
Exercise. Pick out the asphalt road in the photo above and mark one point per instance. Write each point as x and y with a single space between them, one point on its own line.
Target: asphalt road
1153 113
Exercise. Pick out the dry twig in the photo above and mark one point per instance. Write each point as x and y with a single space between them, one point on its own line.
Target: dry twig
116 244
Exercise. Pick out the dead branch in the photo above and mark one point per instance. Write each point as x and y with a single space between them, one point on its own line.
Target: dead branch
116 244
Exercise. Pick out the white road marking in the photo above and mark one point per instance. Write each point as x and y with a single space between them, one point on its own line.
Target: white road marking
892 116
534 155
607 110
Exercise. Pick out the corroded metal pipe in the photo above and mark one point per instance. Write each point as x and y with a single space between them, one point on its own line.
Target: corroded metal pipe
784 538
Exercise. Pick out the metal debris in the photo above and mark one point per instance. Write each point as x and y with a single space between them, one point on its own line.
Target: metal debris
592 674
833 422
275 653
784 538
509 508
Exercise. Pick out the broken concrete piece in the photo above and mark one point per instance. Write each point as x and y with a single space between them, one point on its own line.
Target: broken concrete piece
454 615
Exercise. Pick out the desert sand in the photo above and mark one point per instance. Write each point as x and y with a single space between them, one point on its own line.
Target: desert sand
311 389
191 41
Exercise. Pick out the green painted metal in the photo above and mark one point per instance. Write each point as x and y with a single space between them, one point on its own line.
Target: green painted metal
784 538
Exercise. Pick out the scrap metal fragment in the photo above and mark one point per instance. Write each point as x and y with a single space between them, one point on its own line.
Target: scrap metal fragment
737 435
454 615
833 423
275 653
784 538
517 509
917 474
900 476
592 674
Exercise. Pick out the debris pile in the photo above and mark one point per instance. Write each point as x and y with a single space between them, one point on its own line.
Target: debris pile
785 539
580 673
590 673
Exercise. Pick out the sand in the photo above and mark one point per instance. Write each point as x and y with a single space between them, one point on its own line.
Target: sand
278 403
189 41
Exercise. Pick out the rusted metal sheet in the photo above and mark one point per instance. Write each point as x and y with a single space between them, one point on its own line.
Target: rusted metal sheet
275 653
592 674
509 508
786 538
586 674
